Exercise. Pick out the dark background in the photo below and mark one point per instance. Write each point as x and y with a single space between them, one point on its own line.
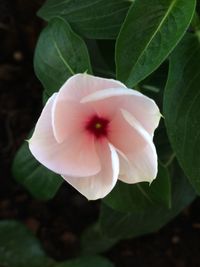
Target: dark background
59 223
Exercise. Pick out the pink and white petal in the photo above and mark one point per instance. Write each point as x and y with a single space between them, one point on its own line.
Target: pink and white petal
137 153
76 156
68 118
109 92
44 124
107 102
68 114
81 85
140 167
99 185
125 137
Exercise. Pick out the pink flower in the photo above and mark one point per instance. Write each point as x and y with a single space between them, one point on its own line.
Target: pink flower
95 131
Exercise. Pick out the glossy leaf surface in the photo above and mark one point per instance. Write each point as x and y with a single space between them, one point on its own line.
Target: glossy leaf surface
150 32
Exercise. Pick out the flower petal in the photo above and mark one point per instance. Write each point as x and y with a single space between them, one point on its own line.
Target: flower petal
140 167
81 85
109 92
99 185
68 118
68 114
76 156
106 102
137 153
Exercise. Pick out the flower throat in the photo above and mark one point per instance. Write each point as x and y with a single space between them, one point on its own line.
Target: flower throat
98 126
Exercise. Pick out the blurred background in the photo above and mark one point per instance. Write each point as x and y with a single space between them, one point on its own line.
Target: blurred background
59 223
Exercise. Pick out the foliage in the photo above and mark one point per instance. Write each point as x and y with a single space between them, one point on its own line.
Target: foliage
140 38
19 248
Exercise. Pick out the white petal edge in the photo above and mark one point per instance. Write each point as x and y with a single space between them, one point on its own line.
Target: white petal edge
148 138
139 105
136 125
109 92
78 81
129 171
76 156
86 185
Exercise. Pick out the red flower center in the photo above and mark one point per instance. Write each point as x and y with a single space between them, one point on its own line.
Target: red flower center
98 126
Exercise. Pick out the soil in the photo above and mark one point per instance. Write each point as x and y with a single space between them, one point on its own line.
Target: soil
59 223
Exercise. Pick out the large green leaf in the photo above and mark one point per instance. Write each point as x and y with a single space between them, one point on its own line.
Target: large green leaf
114 225
94 242
102 57
141 196
60 53
153 87
19 248
181 106
40 182
127 225
98 19
151 30
86 262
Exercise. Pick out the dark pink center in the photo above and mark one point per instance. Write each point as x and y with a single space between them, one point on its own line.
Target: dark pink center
98 126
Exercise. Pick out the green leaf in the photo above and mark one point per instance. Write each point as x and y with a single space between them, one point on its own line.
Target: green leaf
40 182
102 57
45 97
141 196
181 106
153 87
95 19
94 242
164 150
60 53
19 248
86 262
127 225
150 32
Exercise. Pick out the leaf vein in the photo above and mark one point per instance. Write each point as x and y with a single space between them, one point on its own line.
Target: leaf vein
63 59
